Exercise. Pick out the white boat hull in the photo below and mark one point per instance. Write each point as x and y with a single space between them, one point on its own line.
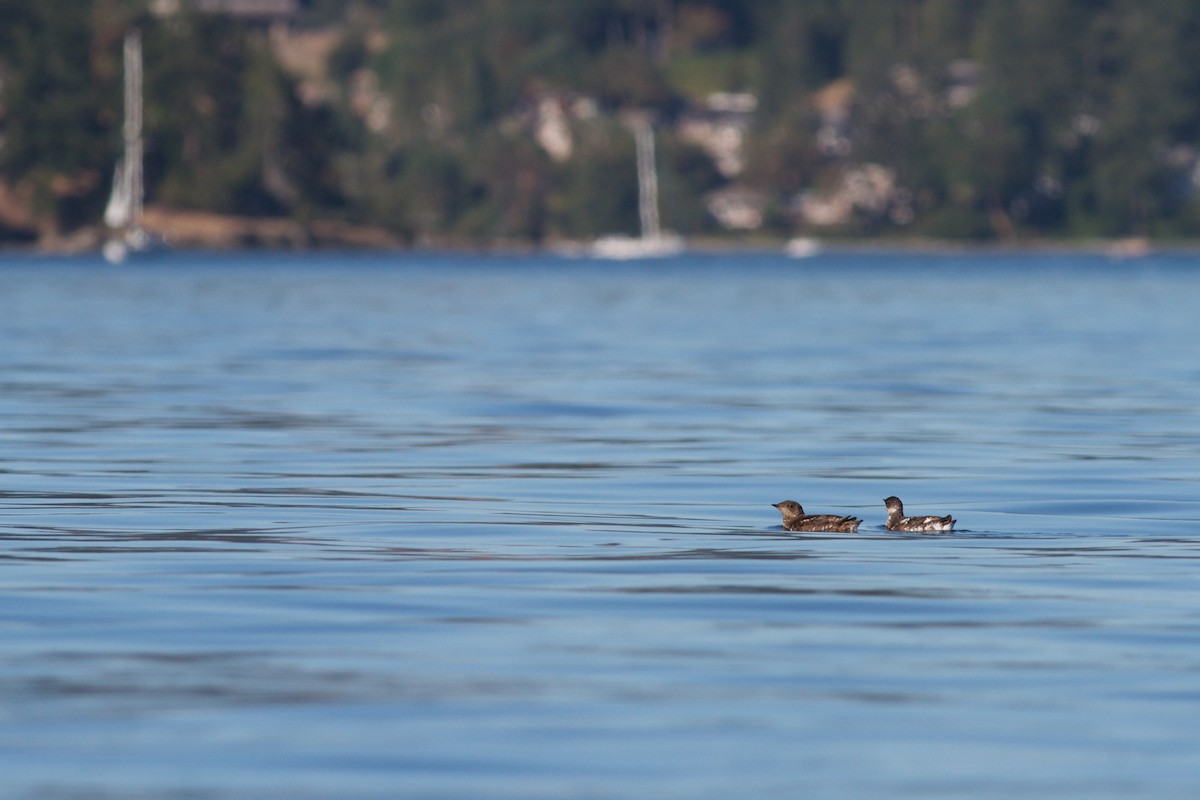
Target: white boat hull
624 248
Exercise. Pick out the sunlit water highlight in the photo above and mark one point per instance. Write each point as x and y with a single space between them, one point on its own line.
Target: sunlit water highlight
500 527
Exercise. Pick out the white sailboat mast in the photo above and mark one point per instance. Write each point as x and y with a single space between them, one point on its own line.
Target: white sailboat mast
124 211
643 136
133 125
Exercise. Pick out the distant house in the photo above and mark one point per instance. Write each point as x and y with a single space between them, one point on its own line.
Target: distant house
249 10
737 208
868 191
720 129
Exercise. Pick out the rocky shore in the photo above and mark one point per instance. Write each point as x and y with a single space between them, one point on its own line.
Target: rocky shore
204 230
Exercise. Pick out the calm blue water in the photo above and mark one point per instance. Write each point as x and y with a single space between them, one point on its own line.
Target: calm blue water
351 526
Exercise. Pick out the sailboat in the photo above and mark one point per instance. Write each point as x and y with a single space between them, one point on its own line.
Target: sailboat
653 243
123 215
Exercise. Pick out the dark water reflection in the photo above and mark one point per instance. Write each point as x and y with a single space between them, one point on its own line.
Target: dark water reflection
334 526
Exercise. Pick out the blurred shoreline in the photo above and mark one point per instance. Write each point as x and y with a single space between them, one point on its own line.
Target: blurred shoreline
188 230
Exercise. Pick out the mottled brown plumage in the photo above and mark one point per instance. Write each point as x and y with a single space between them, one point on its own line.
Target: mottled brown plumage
794 519
896 521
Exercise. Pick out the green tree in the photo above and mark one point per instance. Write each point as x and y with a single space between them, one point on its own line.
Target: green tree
59 113
1144 152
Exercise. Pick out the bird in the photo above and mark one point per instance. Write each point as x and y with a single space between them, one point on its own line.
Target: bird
896 521
794 519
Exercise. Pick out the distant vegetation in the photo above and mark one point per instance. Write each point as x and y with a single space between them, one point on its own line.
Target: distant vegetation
493 121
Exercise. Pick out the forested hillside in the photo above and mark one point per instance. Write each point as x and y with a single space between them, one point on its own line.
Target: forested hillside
505 121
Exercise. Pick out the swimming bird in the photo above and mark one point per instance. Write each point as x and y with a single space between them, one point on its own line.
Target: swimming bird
794 519
896 521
